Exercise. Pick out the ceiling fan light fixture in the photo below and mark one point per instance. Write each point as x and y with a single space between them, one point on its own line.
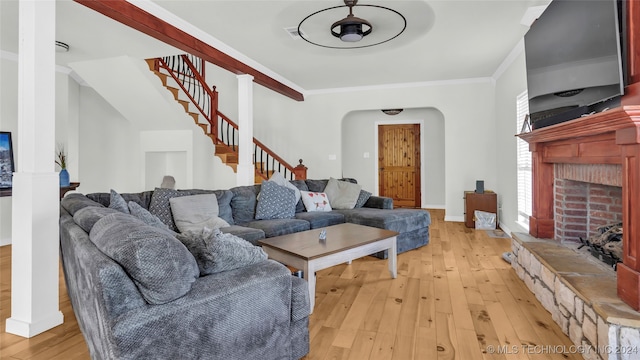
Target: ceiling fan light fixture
351 30
351 27
392 111
61 47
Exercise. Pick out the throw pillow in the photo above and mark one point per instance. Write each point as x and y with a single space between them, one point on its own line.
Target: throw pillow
159 264
215 251
89 216
143 214
160 206
277 178
362 198
76 201
195 212
342 194
315 201
116 201
276 202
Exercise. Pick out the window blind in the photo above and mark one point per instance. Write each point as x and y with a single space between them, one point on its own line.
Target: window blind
524 175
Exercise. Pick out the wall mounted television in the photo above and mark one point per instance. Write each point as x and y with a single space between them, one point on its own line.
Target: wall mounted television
575 60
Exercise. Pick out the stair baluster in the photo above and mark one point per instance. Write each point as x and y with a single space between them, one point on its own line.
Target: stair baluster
188 71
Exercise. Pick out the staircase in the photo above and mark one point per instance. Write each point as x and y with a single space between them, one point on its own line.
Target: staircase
184 76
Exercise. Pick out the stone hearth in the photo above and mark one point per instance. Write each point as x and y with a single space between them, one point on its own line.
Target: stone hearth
581 294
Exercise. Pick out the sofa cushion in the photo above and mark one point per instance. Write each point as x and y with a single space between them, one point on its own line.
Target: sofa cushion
76 201
277 227
277 178
143 214
400 220
159 264
319 185
88 216
143 198
215 251
342 194
117 202
250 234
195 212
362 198
275 202
224 201
161 207
244 203
315 201
320 219
316 185
302 186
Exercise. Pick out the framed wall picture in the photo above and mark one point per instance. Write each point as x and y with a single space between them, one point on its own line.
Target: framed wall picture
7 166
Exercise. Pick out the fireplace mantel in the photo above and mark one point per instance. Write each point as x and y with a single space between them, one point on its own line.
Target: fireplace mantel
609 137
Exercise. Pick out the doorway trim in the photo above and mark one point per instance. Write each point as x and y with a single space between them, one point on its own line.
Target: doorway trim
420 122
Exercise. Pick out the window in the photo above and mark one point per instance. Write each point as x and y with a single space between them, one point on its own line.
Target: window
523 163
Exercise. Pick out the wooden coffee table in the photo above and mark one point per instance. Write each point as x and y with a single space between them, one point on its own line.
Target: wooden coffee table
345 242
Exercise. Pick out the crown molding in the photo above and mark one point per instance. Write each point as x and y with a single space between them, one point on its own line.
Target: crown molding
401 86
513 55
11 56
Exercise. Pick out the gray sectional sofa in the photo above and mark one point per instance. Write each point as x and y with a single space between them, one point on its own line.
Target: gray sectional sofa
167 310
411 224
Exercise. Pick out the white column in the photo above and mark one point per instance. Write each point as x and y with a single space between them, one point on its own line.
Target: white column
246 172
36 189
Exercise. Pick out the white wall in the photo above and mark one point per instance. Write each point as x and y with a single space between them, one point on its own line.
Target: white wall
509 85
359 134
311 130
149 135
8 122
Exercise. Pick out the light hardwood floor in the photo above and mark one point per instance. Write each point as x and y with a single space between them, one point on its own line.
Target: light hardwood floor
453 299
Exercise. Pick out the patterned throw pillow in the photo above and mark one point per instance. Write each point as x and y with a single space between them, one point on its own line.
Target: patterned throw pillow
315 201
362 198
280 180
117 202
160 206
276 202
215 251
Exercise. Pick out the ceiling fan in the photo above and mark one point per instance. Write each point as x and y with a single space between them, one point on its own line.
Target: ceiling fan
351 28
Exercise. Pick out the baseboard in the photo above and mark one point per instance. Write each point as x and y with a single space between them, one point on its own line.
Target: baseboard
454 218
505 229
28 330
5 241
431 206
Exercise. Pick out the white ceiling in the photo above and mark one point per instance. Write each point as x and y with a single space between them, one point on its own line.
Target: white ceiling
444 39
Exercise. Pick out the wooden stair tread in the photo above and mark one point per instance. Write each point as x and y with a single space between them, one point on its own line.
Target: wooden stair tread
174 91
227 154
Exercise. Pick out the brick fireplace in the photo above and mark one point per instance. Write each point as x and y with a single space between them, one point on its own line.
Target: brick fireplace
587 196
608 143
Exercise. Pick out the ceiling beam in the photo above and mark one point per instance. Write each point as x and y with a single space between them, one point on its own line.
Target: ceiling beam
134 17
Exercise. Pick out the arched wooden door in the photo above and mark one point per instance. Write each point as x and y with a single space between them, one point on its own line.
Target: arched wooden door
399 164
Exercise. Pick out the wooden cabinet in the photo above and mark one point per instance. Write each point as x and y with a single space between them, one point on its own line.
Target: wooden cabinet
487 201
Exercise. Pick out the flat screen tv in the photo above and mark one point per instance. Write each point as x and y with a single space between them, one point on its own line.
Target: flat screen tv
574 60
